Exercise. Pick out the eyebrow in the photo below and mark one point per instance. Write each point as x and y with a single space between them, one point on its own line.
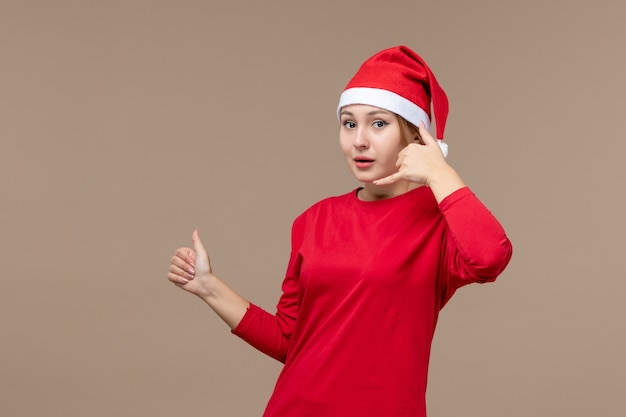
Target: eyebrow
371 113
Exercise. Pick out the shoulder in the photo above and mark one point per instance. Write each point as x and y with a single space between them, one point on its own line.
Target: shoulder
325 206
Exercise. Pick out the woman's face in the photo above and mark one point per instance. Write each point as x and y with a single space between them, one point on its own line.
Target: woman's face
370 139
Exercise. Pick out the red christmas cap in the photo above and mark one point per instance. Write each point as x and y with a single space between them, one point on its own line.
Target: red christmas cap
397 79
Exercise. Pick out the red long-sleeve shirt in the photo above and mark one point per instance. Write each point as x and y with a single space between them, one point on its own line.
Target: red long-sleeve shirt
361 296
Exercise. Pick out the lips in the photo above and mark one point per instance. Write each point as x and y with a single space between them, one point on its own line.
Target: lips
363 162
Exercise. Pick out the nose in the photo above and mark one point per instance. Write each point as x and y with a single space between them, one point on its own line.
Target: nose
360 139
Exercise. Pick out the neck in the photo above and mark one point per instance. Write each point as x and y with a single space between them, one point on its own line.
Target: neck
371 192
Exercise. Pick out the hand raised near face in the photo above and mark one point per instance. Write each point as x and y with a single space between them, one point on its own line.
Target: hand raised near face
424 163
418 162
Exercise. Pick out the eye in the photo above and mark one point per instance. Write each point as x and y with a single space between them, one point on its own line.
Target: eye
379 124
350 125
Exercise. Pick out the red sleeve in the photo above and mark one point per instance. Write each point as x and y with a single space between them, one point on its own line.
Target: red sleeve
476 247
271 333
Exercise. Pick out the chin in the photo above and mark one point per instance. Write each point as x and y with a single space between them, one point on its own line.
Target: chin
369 176
365 178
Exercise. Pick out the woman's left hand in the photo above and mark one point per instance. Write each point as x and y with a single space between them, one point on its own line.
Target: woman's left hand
425 164
419 163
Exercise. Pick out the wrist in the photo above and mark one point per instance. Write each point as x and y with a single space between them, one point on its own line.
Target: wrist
209 288
444 182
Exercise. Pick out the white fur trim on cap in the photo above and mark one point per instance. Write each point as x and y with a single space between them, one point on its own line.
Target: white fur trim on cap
389 101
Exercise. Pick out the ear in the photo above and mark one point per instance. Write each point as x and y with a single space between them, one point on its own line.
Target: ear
417 137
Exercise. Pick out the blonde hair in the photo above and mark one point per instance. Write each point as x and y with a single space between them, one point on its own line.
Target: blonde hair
408 131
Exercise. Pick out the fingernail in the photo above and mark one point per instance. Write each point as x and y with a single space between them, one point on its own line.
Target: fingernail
185 281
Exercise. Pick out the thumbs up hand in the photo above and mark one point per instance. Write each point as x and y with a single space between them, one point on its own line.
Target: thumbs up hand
190 268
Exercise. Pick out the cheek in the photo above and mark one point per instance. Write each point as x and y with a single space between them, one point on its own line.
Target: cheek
390 149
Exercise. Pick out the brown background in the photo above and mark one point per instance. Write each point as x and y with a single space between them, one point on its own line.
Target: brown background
125 124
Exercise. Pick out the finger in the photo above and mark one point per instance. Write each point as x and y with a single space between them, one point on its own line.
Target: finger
182 264
181 272
388 180
400 159
187 254
177 279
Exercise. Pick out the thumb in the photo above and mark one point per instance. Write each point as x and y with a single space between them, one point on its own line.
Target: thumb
202 258
198 246
431 141
426 136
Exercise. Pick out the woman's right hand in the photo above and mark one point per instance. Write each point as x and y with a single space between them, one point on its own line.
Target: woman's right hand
190 269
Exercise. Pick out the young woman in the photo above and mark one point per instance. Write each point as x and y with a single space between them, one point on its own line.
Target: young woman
369 270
